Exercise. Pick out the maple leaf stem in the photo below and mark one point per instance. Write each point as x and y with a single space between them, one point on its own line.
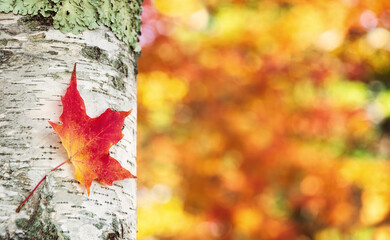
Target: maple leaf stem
25 200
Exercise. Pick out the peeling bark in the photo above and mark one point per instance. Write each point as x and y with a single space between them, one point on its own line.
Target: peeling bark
35 68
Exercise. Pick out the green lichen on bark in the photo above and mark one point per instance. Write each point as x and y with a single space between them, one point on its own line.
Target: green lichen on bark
94 52
38 227
117 233
4 41
36 22
123 17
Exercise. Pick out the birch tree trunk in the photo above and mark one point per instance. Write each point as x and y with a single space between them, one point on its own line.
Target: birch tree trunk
35 68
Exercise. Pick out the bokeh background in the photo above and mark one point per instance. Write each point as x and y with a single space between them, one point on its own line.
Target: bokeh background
264 120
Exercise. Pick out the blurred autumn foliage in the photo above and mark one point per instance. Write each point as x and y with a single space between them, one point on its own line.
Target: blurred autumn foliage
264 119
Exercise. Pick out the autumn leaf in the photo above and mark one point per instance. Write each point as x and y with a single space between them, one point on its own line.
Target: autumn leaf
88 140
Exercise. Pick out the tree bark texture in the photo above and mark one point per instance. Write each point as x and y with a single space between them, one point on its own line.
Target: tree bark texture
36 62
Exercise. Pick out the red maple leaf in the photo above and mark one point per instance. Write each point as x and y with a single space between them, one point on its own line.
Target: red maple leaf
88 140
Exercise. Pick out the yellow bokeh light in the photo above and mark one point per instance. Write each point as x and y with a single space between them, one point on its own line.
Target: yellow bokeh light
378 38
375 207
171 212
177 7
382 233
247 219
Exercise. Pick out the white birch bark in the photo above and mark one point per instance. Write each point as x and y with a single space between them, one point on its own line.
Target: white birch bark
35 68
